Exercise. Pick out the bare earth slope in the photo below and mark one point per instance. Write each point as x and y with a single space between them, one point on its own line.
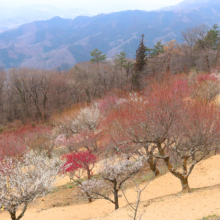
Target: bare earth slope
169 205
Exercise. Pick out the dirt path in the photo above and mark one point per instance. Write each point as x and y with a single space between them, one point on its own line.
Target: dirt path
187 206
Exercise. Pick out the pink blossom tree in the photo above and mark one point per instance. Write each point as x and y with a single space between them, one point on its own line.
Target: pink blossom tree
169 125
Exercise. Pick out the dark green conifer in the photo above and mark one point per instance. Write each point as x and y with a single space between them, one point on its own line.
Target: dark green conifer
141 62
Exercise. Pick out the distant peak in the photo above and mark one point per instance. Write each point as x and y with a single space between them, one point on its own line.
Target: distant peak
56 18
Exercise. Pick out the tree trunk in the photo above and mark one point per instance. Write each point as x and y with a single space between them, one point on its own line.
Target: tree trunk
13 215
180 176
116 200
89 197
152 162
207 63
89 177
153 165
116 196
136 81
88 97
185 184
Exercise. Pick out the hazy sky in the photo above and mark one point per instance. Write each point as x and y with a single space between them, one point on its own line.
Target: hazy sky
98 5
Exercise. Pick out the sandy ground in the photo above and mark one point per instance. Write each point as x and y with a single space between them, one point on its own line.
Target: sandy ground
165 201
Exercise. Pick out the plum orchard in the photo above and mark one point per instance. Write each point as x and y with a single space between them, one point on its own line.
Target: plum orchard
169 125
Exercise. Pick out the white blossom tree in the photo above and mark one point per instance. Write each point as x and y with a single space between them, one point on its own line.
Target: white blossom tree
22 181
81 130
86 119
114 172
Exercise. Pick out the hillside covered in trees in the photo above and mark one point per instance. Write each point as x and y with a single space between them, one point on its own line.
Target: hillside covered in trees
140 135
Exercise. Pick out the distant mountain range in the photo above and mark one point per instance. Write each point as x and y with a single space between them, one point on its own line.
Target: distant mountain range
61 43
11 17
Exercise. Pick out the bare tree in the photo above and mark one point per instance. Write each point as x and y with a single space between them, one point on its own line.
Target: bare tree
139 191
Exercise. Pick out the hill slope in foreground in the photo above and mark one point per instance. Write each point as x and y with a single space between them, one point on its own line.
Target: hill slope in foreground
161 200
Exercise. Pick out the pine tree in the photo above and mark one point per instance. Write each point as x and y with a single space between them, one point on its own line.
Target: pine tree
120 59
158 49
98 56
212 38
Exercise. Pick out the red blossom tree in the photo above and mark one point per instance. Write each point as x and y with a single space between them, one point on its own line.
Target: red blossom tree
14 143
77 163
107 104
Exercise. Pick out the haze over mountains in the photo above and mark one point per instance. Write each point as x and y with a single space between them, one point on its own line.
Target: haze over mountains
61 43
11 17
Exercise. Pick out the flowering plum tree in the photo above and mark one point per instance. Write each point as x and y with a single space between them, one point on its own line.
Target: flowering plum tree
125 129
21 181
169 125
86 119
81 160
114 172
191 139
106 104
77 163
181 128
14 143
81 131
206 88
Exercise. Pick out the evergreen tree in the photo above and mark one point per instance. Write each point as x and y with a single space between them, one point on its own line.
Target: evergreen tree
158 49
141 56
120 60
213 38
209 42
98 56
141 61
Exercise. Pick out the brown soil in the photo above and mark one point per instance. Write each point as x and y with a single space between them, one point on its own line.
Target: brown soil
161 199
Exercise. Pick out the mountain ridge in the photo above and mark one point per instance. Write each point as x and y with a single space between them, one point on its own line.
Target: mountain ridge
38 42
